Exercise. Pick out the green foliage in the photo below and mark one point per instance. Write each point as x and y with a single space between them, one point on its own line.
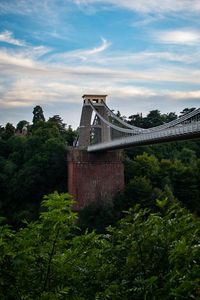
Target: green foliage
38 114
45 130
187 156
180 175
32 166
147 256
28 257
59 123
21 125
8 132
138 190
4 151
186 111
70 136
148 178
146 165
1 130
97 218
153 118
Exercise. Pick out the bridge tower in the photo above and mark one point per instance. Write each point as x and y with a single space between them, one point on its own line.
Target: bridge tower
94 177
102 130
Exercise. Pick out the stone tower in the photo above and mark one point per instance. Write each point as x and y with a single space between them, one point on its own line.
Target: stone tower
86 118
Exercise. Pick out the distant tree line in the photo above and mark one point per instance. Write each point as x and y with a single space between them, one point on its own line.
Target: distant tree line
32 165
155 118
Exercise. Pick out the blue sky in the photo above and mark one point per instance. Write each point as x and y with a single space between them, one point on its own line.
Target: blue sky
143 54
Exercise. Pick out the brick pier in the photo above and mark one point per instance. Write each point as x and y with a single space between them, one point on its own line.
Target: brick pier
94 177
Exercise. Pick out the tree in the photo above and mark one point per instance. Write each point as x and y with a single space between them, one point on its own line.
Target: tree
147 256
1 130
138 191
38 114
35 249
70 136
45 130
186 111
59 123
154 118
136 120
146 165
8 132
170 117
22 124
187 156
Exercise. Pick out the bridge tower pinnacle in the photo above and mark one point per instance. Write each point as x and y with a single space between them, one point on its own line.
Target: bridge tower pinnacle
102 130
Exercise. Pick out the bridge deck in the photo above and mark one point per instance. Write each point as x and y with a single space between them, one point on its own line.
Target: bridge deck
181 132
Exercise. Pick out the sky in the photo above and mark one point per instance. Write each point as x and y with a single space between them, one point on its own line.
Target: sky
143 54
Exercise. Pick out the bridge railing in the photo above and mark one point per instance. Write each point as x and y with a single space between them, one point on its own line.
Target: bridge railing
187 131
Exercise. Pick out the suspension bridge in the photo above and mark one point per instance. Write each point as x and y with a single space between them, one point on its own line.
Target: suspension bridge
108 132
95 162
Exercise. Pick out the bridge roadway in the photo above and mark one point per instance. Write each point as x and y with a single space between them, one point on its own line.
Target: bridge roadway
180 132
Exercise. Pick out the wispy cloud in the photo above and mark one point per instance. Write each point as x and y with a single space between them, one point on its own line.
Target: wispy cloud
7 37
101 48
150 6
8 58
184 95
50 7
178 37
26 61
147 20
82 54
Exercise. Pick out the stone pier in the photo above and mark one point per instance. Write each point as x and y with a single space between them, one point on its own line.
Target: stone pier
94 177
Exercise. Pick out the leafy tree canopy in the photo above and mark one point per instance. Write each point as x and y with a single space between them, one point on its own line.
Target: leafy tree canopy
38 114
186 111
22 124
153 118
8 132
147 256
59 123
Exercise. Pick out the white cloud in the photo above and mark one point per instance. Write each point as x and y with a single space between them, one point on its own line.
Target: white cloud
95 50
16 59
82 54
150 6
50 7
7 37
145 58
25 64
185 95
37 51
178 37
147 20
26 58
28 92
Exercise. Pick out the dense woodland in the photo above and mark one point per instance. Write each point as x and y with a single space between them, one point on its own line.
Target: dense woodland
144 244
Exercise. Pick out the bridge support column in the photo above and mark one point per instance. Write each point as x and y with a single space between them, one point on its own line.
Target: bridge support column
94 177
